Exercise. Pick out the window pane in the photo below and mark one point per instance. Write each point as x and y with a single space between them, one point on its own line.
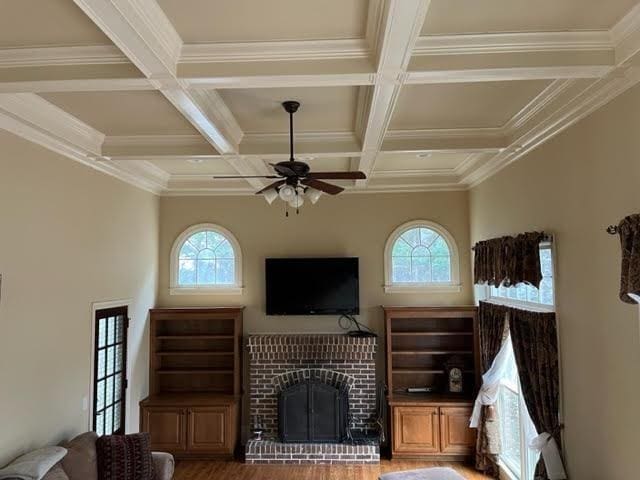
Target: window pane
117 412
119 359
100 395
100 424
509 405
421 269
207 253
206 272
401 269
188 251
111 331
111 351
441 269
225 271
108 421
546 291
117 387
225 250
412 237
401 249
439 247
101 364
119 328
109 392
198 240
214 239
102 332
187 272
427 236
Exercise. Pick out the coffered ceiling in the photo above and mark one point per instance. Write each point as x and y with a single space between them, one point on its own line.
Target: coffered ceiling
418 94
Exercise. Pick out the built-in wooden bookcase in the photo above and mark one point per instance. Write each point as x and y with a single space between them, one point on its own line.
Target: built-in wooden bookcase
196 350
195 373
419 342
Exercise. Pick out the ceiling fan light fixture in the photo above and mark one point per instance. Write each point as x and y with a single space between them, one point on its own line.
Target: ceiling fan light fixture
270 196
313 195
296 202
287 193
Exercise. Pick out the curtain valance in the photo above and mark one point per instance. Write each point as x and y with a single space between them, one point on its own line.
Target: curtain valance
509 260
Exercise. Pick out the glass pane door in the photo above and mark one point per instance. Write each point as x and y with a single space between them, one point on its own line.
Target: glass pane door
110 369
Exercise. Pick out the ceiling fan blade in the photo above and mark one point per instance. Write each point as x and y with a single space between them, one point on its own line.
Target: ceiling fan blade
222 177
338 175
283 170
273 185
322 186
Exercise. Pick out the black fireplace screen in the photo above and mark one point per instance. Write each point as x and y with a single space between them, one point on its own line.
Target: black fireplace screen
313 412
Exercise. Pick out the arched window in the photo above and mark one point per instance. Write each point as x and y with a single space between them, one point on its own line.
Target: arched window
206 259
421 255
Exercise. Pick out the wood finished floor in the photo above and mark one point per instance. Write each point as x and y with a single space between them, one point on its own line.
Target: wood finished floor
200 470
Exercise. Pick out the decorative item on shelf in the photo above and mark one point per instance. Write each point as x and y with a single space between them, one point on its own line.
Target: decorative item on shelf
454 366
294 179
258 429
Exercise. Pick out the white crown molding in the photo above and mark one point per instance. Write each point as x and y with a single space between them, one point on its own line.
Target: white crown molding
584 103
302 137
488 43
141 30
53 56
538 103
626 36
152 140
374 23
36 111
283 80
436 133
274 51
36 120
78 85
217 111
426 172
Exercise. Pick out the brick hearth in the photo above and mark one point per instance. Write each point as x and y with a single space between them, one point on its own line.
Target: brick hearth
279 361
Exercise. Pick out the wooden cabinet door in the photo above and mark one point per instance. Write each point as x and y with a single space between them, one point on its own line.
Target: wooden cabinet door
166 427
210 430
455 435
415 430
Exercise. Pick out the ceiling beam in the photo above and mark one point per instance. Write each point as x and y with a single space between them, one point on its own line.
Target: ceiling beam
145 35
402 21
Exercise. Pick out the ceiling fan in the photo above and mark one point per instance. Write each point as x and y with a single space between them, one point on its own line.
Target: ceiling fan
295 180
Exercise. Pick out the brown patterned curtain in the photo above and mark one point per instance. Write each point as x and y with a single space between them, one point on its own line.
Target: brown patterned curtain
535 346
491 323
629 230
509 260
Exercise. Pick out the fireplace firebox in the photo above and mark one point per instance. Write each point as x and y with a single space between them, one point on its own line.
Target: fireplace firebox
313 412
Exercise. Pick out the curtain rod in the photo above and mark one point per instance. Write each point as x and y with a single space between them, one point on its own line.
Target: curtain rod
612 230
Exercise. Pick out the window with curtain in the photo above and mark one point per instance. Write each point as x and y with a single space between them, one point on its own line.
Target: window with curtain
523 294
206 258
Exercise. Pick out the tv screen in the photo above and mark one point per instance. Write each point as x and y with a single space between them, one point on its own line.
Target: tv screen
312 286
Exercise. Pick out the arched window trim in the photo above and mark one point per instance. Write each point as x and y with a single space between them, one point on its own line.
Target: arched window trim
231 289
419 287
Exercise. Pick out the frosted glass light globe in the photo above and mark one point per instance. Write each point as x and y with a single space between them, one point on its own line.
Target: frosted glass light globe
287 193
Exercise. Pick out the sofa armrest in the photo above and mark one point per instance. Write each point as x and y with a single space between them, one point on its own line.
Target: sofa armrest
164 465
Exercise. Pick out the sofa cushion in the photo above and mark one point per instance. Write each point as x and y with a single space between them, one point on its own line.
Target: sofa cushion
33 465
125 457
56 473
80 462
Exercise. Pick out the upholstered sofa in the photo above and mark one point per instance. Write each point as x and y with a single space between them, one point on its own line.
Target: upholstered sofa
80 462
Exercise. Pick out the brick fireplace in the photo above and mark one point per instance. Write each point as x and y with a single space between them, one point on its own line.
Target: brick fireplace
279 362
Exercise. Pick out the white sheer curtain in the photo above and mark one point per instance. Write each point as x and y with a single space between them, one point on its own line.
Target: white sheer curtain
488 394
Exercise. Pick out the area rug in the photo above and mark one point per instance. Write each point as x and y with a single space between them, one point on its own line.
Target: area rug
424 474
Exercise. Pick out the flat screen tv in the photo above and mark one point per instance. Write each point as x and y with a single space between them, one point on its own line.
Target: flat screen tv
312 286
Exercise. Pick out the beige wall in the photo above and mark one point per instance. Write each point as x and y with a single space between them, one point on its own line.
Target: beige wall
351 225
69 236
574 186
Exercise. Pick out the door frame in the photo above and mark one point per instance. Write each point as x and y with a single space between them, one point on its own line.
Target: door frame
89 400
